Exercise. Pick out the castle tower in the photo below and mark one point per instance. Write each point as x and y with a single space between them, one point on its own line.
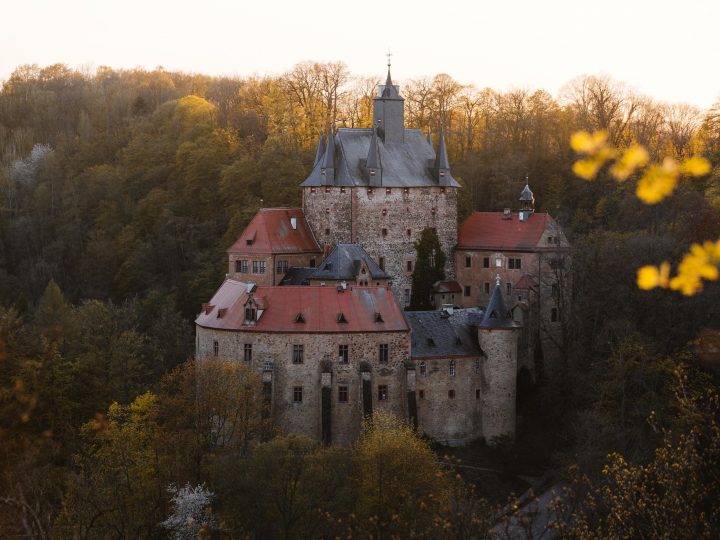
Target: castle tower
389 112
498 337
527 202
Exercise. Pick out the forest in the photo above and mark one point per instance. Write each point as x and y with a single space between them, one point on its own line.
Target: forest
120 191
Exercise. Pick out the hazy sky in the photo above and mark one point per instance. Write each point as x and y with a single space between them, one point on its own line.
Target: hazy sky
667 49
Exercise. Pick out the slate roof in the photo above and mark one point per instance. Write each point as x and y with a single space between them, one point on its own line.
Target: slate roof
320 308
490 231
497 315
344 262
451 334
271 231
404 164
297 275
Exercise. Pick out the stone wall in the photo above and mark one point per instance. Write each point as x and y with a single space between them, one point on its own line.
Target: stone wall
320 352
379 220
270 276
451 420
499 381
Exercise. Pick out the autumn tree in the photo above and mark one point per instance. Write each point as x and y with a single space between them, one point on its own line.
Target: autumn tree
429 268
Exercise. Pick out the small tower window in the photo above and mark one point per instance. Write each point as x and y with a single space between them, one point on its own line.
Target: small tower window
486 287
312 190
384 211
553 315
342 190
384 232
423 369
477 393
327 210
327 232
341 318
468 262
452 368
467 290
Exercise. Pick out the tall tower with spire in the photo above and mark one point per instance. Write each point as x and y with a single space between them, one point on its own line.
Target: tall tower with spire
380 187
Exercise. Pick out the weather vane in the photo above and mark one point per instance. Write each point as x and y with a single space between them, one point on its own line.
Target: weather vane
389 54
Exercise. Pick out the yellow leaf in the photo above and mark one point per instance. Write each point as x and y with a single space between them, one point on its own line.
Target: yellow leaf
635 156
649 277
658 182
587 168
588 143
696 166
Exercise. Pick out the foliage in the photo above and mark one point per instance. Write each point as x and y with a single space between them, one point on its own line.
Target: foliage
191 514
429 268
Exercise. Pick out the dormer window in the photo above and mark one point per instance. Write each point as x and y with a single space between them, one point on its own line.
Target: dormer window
378 317
430 342
341 318
250 314
249 241
299 318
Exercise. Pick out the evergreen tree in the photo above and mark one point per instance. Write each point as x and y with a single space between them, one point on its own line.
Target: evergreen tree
429 268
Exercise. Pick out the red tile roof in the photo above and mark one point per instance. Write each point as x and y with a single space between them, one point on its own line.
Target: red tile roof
320 308
447 287
271 231
489 230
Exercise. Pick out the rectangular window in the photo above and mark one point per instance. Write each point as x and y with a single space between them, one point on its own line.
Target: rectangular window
381 262
312 263
514 264
409 266
486 262
423 369
421 394
343 354
553 315
216 348
406 296
258 267
343 394
451 394
388 191
486 287
384 232
477 393
468 262
452 368
383 353
244 267
281 267
508 287
298 356
327 232
238 266
297 394
247 352
409 232
382 392
498 263
467 290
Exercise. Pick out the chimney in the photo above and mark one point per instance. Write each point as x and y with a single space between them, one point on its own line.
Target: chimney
507 214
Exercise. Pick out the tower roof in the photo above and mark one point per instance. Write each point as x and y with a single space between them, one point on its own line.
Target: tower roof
329 158
441 159
389 91
527 195
497 314
373 157
320 149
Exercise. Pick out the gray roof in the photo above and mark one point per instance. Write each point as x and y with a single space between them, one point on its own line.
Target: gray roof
344 262
437 333
441 159
526 194
320 152
409 163
497 315
297 275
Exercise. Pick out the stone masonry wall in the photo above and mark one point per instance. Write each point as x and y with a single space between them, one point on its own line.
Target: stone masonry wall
327 211
499 381
319 350
451 420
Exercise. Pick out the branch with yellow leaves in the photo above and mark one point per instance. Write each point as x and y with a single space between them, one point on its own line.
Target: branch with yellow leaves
657 181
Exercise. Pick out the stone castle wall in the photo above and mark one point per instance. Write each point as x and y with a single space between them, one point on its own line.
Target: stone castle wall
499 375
320 352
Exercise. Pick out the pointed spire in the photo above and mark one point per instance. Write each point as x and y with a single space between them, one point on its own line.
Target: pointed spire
320 149
388 80
497 314
327 169
527 200
442 166
373 157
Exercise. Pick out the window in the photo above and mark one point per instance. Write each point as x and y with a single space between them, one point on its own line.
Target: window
327 232
508 287
468 262
381 262
409 232
297 394
384 232
247 352
370 191
514 264
477 393
342 190
216 348
312 263
258 267
383 353
555 290
244 267
451 394
467 291
498 263
452 368
477 364
268 365
550 240
249 314
553 315
406 296
238 266
486 262
423 369
327 190
409 266
421 394
382 392
486 287
406 190
298 356
281 267
342 394
388 191
312 190
343 354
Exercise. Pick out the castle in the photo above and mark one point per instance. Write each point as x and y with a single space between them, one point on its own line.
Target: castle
314 297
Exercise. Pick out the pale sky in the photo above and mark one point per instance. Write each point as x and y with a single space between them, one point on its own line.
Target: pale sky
669 50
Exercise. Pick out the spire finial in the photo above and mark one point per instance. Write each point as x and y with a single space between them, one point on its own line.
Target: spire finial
527 179
388 54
